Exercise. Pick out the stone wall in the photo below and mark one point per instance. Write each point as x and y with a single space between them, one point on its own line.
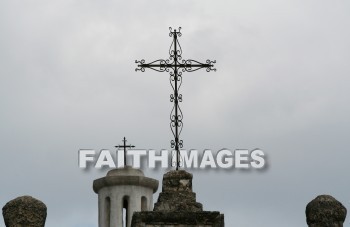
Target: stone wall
178 219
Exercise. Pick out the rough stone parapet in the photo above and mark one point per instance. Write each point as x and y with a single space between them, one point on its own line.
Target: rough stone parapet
24 211
178 219
325 211
177 206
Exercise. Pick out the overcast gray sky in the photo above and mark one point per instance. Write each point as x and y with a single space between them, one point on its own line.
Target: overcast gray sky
282 85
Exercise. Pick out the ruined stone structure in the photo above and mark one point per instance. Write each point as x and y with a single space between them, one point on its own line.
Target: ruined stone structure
24 211
124 190
177 206
325 211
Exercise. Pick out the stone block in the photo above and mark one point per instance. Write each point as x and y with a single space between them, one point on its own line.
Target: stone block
325 211
24 211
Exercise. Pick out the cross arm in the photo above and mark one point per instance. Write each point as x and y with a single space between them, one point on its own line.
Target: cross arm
127 146
193 65
186 65
159 65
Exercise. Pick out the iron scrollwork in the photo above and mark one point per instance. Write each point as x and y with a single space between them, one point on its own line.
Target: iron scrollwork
175 65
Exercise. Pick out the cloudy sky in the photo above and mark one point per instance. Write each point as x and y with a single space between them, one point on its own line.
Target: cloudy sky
282 84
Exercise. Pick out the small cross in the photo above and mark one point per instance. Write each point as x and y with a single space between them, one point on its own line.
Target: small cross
125 146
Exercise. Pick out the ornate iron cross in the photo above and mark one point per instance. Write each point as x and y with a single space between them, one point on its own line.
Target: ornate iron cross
125 146
175 65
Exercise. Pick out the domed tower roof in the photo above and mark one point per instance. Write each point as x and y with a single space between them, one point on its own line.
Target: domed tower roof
125 176
126 171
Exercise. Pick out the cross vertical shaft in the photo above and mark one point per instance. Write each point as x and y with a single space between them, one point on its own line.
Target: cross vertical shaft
175 65
176 105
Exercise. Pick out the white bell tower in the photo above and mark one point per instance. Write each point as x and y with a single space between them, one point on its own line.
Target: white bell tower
122 192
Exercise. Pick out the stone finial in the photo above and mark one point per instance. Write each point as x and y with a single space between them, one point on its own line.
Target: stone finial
325 211
177 193
24 211
177 180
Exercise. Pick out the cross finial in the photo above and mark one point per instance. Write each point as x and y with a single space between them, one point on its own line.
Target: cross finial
125 146
175 65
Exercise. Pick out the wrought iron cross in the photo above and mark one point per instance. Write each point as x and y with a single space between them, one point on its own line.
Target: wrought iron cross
175 65
125 146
